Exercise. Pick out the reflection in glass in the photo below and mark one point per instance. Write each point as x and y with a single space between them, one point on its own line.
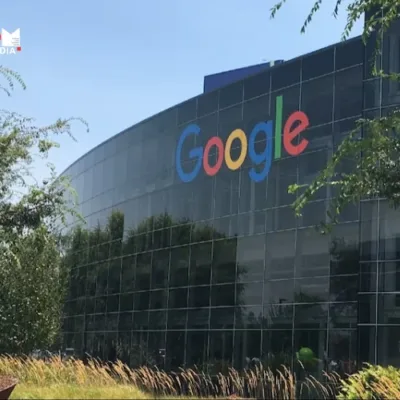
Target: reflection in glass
219 270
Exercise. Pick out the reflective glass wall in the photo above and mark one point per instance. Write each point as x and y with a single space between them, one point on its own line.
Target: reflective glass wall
379 290
218 270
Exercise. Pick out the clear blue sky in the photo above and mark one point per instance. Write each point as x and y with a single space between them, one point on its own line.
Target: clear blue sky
117 62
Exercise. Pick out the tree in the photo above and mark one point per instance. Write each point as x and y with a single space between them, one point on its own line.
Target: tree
375 154
32 280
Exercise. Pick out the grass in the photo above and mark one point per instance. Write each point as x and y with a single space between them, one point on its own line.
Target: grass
72 379
70 391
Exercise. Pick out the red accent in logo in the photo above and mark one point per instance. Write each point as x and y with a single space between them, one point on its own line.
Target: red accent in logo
217 142
18 48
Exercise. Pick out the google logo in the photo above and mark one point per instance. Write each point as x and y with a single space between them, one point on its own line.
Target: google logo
296 123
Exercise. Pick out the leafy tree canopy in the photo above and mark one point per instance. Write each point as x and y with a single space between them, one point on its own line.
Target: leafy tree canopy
376 151
32 283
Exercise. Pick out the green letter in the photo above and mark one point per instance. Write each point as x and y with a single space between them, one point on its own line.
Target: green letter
278 127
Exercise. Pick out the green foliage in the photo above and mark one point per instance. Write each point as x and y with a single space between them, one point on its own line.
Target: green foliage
374 146
32 280
32 287
382 14
372 382
375 172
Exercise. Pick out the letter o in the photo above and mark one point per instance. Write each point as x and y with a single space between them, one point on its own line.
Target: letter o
236 134
214 141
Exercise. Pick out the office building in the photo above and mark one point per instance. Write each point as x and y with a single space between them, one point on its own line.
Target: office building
192 254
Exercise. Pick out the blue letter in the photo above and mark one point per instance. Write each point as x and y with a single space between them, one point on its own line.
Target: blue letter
266 155
197 152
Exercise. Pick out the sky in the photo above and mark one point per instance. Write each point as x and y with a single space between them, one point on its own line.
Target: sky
115 63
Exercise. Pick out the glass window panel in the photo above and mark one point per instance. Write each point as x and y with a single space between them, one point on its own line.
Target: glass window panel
280 255
179 266
207 103
231 94
291 103
249 317
319 112
220 351
250 258
311 316
367 304
281 218
247 347
277 347
342 349
319 138
314 339
175 354
199 296
369 240
312 253
318 63
222 318
372 93
158 299
126 302
224 261
278 316
286 75
389 276
143 271
157 320
200 264
223 295
389 232
344 287
388 346
160 267
387 309
312 290
279 291
177 319
249 293
345 249
178 298
209 128
198 318
141 301
349 53
369 277
343 315
187 111
366 344
348 93
196 348
229 119
257 85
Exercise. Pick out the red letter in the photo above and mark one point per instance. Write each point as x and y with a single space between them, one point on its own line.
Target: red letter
289 133
217 142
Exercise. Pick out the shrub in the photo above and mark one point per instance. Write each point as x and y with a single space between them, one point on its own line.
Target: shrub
373 382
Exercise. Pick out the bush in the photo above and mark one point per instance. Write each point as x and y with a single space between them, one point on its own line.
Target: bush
372 382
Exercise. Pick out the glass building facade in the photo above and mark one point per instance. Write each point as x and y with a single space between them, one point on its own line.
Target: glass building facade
218 270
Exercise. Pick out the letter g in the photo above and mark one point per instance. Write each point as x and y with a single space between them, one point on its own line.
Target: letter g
197 152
